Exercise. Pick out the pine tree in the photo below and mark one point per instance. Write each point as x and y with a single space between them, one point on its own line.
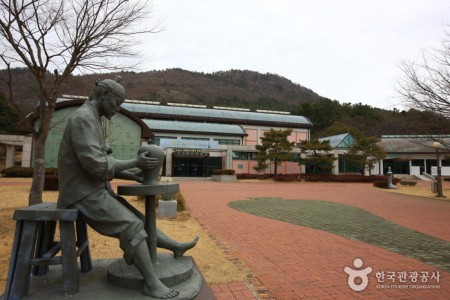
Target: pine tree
315 155
274 147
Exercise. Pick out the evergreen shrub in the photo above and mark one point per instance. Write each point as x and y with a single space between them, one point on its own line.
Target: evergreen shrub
253 176
380 184
223 172
319 177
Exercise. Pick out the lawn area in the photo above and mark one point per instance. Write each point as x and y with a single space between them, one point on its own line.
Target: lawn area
214 264
422 189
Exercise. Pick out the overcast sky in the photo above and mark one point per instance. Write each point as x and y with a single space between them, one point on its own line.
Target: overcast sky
345 50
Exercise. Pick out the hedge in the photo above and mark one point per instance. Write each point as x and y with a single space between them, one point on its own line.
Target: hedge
223 172
408 182
254 176
51 183
318 177
25 172
381 184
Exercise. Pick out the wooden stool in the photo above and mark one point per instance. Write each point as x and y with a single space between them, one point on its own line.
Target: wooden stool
34 247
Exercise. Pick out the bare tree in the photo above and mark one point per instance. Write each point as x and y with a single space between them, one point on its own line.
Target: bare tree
425 85
53 38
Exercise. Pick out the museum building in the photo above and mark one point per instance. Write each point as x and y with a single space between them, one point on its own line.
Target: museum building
196 139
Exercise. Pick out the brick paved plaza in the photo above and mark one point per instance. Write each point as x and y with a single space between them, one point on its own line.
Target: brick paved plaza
297 238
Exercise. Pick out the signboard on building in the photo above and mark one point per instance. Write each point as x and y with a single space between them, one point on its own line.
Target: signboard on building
188 144
190 153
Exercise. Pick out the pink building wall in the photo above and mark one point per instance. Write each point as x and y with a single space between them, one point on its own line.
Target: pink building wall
252 137
246 167
297 136
287 167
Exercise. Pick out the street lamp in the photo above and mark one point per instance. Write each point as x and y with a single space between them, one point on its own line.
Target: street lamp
437 145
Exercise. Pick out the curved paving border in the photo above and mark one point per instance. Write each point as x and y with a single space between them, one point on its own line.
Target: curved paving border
353 223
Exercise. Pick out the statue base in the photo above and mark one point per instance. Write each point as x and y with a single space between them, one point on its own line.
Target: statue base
171 271
94 285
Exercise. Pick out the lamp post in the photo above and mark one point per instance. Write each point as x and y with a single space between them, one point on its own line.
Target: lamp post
390 184
437 145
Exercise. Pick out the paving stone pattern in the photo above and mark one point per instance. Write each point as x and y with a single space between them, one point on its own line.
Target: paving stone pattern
354 223
288 261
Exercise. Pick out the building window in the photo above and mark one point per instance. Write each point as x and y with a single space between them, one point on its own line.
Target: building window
295 157
347 166
397 166
194 138
228 142
157 139
244 155
445 162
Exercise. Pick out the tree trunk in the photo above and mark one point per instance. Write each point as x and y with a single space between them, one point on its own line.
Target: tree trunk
37 186
275 167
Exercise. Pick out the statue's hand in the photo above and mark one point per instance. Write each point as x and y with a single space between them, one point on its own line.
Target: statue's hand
144 162
107 149
139 176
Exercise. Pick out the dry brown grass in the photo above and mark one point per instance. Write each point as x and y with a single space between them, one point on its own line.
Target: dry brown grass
214 264
418 191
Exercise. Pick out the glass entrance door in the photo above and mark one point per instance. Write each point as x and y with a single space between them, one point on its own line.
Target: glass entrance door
189 166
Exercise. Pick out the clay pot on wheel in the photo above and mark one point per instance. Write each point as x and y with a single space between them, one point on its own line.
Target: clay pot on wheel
150 176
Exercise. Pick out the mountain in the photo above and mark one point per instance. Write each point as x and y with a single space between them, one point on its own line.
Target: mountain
230 88
226 88
243 89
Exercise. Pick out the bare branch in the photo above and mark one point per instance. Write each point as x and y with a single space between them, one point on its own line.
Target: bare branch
9 82
53 38
426 85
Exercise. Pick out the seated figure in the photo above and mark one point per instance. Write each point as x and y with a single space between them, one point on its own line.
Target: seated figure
86 167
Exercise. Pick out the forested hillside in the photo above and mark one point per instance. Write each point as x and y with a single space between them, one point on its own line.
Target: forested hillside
231 88
245 89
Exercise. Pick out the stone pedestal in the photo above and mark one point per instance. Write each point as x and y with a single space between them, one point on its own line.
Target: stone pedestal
167 209
93 285
171 271
224 178
178 273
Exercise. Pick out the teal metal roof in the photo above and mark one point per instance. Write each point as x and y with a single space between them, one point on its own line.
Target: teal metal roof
239 117
194 127
340 141
409 144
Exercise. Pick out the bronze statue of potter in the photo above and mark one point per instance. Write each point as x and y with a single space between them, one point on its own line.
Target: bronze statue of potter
86 167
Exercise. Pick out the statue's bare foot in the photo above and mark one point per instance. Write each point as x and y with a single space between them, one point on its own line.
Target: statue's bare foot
183 247
159 290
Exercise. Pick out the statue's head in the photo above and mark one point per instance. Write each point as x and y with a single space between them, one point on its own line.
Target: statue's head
103 87
108 95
